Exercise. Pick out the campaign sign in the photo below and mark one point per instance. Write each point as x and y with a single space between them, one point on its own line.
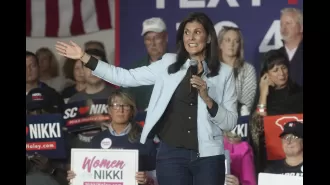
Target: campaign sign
241 128
85 115
273 127
44 135
104 166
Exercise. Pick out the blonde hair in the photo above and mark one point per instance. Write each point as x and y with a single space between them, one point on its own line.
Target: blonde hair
296 11
127 99
233 137
54 71
240 54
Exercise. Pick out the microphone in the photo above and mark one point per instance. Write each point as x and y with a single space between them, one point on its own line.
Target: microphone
193 71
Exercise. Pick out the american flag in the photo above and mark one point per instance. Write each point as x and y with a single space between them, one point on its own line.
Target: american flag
64 18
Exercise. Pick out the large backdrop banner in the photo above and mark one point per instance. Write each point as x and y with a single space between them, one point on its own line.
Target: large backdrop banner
258 20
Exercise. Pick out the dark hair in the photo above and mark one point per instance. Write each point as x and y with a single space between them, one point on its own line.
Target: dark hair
31 54
68 68
94 42
273 58
212 49
98 53
136 129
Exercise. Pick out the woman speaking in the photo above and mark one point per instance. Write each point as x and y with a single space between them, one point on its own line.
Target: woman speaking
193 102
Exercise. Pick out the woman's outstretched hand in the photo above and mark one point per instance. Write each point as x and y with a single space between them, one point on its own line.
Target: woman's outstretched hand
71 50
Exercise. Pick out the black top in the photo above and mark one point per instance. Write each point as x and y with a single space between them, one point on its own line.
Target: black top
69 91
288 100
280 167
178 125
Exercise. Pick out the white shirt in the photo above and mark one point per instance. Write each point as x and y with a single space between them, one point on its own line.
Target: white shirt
291 52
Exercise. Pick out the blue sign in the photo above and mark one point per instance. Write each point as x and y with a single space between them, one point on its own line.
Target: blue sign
241 128
86 115
257 19
44 135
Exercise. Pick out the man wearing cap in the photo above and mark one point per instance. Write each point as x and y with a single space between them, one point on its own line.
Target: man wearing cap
292 142
155 40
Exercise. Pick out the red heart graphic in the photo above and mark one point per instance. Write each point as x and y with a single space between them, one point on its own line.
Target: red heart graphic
83 110
27 130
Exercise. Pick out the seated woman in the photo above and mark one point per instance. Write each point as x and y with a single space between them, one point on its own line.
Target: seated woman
241 161
278 95
125 134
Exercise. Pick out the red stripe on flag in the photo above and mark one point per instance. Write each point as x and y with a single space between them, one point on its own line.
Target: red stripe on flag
103 14
77 27
117 31
52 18
28 18
292 2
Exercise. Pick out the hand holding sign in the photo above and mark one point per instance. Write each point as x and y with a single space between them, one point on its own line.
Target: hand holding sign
141 177
231 180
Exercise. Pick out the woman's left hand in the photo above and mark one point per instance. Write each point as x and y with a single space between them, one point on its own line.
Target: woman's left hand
141 177
200 85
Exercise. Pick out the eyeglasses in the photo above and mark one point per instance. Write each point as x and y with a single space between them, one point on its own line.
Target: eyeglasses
290 138
116 106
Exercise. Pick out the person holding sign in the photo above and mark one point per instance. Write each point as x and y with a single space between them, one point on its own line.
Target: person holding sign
124 133
292 142
242 171
193 102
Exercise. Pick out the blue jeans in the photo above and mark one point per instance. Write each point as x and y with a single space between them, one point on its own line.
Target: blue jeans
179 166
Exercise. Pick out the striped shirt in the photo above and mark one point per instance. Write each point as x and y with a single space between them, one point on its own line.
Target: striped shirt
246 85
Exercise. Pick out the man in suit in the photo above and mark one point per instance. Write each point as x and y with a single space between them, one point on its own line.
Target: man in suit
292 34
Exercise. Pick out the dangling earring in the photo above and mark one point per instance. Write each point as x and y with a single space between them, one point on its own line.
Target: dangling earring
208 40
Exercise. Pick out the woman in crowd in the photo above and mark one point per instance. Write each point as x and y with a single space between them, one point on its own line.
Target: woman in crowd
73 70
49 70
231 48
125 133
242 171
278 95
187 112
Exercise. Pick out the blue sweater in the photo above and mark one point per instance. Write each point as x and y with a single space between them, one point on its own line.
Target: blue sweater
147 151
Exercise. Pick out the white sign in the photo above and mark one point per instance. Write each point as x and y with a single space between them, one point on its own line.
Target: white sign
104 166
278 179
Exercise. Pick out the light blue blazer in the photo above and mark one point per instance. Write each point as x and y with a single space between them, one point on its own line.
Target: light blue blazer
221 89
